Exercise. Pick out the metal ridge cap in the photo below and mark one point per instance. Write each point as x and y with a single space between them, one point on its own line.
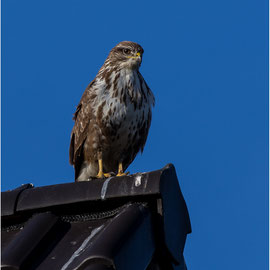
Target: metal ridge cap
9 199
139 184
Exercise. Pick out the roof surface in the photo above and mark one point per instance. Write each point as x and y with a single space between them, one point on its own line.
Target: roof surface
130 222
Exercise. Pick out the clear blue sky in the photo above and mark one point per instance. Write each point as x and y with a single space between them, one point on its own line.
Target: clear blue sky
207 64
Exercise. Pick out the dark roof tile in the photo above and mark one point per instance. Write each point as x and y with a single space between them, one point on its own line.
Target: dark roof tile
126 222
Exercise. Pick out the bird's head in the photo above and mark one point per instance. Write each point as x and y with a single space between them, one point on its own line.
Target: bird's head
126 54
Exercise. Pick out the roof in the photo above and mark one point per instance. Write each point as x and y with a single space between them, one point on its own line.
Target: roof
131 222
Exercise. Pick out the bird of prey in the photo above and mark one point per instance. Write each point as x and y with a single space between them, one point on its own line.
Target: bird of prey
113 117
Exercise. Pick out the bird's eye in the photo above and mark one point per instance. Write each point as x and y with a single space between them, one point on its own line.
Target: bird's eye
126 51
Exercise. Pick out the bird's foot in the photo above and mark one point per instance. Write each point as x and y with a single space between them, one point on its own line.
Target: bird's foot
122 174
121 170
103 175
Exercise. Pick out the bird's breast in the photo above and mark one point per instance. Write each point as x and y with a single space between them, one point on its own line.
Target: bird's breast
122 107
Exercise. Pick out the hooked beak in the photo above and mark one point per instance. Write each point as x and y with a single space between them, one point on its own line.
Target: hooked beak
138 55
137 59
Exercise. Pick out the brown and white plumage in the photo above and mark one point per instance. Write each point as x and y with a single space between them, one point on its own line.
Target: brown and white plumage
113 117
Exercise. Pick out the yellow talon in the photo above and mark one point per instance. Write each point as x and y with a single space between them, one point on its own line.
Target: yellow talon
123 174
99 175
100 170
120 170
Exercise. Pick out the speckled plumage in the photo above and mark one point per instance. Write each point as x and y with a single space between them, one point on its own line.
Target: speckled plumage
113 117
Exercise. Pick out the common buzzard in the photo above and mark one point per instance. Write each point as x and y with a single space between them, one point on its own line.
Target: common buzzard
113 117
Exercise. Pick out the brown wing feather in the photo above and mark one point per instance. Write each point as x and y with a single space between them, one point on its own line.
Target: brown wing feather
82 117
144 131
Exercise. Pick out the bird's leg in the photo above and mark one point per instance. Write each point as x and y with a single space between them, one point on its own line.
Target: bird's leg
100 169
120 170
101 174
